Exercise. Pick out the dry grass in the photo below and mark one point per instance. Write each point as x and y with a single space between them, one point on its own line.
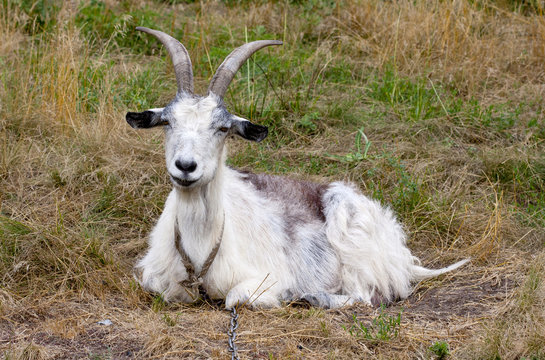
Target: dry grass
477 48
449 95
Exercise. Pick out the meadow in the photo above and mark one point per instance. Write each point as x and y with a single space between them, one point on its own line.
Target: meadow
433 107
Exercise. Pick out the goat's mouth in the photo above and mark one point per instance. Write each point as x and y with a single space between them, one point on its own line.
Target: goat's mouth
182 182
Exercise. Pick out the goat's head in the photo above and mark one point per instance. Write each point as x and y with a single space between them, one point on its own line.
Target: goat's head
196 126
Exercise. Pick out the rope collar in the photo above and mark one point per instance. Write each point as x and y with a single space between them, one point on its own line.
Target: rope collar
193 283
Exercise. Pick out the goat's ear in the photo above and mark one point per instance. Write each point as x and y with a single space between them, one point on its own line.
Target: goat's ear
249 130
145 119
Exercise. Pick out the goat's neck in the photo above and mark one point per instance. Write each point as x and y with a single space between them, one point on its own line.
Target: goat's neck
200 215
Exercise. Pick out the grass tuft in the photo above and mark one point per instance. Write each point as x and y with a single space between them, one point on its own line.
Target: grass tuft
440 349
383 327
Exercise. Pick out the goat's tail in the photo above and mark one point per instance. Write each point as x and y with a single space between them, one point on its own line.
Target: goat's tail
421 273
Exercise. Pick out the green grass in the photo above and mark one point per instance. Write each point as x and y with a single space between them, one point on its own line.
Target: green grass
411 100
110 26
42 12
361 144
440 349
383 327
11 233
158 303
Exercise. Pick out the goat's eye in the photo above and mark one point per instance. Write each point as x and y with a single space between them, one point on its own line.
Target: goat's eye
223 129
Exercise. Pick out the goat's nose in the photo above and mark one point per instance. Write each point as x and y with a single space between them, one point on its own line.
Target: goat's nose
186 166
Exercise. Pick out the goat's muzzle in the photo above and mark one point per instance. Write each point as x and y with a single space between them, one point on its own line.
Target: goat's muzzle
182 182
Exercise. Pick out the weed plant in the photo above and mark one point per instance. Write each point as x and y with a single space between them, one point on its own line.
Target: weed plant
440 350
383 327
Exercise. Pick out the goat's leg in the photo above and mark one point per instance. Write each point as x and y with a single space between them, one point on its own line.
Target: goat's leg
255 293
328 301
161 269
163 280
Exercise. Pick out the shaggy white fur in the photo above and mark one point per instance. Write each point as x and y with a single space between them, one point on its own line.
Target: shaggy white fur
276 245
282 239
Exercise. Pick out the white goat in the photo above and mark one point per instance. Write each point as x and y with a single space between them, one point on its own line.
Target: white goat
260 239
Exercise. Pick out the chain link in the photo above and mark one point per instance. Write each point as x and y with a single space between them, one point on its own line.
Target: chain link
232 334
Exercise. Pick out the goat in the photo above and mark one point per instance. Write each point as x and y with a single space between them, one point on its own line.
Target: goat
259 239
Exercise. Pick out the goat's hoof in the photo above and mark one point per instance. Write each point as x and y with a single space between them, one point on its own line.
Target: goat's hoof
236 299
319 299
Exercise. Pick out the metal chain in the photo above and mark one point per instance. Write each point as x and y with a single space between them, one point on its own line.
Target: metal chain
232 334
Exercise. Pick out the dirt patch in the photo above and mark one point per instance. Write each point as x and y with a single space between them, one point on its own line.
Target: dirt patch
469 296
96 341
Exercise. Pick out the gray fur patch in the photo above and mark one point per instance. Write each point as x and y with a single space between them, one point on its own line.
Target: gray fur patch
306 195
313 261
220 117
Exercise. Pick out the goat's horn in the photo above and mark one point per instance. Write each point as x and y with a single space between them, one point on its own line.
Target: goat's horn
229 67
180 59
